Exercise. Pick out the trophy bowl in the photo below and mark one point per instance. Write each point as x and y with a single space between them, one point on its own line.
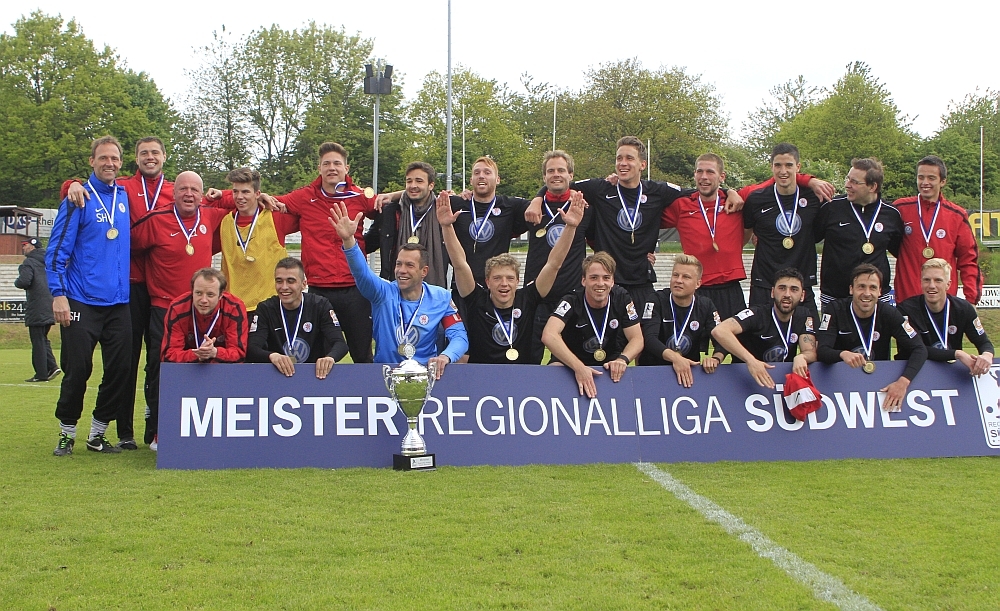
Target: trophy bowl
410 386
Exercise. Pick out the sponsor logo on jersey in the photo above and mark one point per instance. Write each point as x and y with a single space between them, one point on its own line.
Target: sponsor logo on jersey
745 314
909 329
825 323
562 308
647 311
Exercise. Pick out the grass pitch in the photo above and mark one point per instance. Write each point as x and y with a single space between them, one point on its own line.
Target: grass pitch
109 531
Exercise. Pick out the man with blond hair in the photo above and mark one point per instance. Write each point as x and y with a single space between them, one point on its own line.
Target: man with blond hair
941 319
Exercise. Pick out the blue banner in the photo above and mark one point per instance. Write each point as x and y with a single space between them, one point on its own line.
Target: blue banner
237 416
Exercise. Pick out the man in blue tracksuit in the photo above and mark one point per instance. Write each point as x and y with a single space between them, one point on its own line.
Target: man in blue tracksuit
87 266
407 312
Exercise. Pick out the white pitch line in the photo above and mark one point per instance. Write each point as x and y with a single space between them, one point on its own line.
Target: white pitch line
825 587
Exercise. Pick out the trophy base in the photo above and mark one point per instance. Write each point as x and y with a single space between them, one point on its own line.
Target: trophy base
420 462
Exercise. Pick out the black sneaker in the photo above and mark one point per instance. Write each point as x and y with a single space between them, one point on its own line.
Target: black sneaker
128 444
101 444
34 379
53 375
65 445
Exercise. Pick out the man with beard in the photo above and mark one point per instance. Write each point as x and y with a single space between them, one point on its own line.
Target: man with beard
765 334
252 241
206 325
857 331
941 319
500 315
407 313
295 327
410 221
857 228
677 324
594 326
87 268
180 239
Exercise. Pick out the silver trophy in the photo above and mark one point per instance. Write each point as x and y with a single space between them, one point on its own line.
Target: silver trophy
410 386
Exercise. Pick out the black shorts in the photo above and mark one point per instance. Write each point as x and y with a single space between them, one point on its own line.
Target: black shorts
728 298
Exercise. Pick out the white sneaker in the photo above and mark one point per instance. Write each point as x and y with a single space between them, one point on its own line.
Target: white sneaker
152 446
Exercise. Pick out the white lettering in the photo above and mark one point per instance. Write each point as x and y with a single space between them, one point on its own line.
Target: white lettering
780 411
510 413
545 416
452 414
290 417
831 415
696 418
851 415
614 420
751 406
190 413
887 421
318 403
433 416
946 395
500 420
663 414
590 417
234 416
375 416
574 422
343 416
263 411
638 417
913 400
713 400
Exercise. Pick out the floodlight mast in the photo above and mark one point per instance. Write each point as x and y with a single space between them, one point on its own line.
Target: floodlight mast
448 177
377 82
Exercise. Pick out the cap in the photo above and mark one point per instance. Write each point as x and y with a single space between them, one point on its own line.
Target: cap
32 241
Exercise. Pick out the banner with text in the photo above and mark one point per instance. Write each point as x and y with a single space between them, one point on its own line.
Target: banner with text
237 416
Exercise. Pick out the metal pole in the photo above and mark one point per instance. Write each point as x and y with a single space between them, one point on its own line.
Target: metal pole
554 100
375 162
448 179
981 217
649 168
463 147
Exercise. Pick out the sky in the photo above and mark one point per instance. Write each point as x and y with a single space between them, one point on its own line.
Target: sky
926 55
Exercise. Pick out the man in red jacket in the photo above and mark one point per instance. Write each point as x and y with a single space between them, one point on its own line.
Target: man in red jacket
934 227
322 252
148 188
206 324
179 240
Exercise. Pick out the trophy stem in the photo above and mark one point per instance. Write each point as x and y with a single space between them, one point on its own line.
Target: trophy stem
413 443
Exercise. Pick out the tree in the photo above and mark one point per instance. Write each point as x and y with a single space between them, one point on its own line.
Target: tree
789 99
58 93
957 143
857 118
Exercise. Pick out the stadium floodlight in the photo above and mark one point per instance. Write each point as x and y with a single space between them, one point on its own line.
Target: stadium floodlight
378 82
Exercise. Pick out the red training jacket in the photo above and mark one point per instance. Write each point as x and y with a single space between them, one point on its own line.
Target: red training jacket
230 332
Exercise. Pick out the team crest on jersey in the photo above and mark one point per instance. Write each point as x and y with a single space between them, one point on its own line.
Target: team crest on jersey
979 326
253 325
121 207
424 319
307 327
202 229
793 338
907 230
803 202
745 314
496 212
333 317
809 324
630 309
562 308
879 227
647 311
515 313
876 336
940 233
952 329
614 323
825 323
642 198
695 325
909 329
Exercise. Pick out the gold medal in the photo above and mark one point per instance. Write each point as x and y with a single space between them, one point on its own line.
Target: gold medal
788 243
600 355
868 248
413 240
250 259
512 354
113 233
633 237
369 192
540 233
868 367
715 245
928 253
189 249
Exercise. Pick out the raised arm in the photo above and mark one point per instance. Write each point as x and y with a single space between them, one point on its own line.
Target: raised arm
464 279
573 217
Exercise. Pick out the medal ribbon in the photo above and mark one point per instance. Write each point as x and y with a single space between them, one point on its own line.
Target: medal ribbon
479 229
868 229
947 317
871 336
632 218
604 329
194 322
239 238
337 194
284 323
503 326
715 219
673 312
406 328
564 208
197 221
785 335
114 201
145 193
416 225
927 234
784 215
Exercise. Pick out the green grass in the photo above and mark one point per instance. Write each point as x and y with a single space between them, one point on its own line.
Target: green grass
110 531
